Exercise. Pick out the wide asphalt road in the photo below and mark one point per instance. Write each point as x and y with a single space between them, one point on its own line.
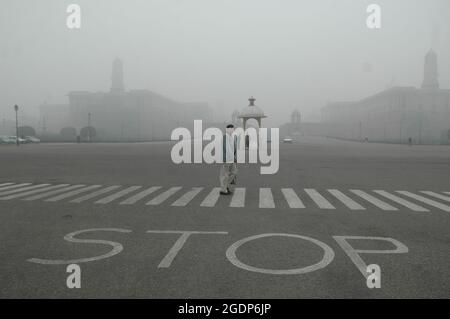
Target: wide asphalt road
141 226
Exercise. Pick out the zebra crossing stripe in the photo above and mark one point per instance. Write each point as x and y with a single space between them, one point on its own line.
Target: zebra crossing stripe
212 198
163 196
72 193
133 199
34 191
373 200
4 184
94 194
17 190
51 193
426 200
238 199
266 198
292 199
13 186
186 198
112 197
448 193
401 201
446 198
319 199
347 201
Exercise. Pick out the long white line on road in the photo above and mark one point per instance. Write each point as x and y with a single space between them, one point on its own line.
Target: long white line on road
446 198
319 199
22 189
375 201
51 193
94 194
3 184
186 198
112 197
72 193
163 196
401 201
347 201
448 193
13 186
135 198
266 198
31 192
238 199
426 200
212 198
292 199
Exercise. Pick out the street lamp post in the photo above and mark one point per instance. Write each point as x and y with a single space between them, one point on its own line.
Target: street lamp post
16 108
89 127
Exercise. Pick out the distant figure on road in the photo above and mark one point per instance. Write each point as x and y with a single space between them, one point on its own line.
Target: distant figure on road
410 141
228 170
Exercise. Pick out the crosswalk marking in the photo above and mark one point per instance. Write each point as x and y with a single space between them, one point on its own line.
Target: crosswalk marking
448 193
4 184
163 196
212 198
17 190
319 199
292 199
347 201
266 198
426 200
31 192
13 186
186 198
72 193
133 199
94 194
433 194
51 193
238 199
401 201
112 197
373 200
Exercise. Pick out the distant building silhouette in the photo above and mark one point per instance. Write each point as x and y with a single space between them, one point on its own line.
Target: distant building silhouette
117 76
396 114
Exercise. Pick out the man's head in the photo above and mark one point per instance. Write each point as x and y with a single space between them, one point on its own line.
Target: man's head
230 129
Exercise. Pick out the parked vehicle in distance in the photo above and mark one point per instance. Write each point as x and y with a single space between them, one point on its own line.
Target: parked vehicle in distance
7 140
32 139
288 139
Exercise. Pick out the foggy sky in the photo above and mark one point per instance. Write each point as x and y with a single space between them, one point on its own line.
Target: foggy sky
287 53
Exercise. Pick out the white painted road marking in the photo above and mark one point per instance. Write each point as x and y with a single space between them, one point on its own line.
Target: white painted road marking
72 193
318 199
373 200
13 186
31 192
186 198
22 189
163 196
426 200
292 199
135 198
347 201
212 198
446 198
51 193
4 184
266 198
112 197
238 199
401 201
95 194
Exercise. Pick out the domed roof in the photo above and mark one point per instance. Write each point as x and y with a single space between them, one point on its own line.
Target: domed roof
251 110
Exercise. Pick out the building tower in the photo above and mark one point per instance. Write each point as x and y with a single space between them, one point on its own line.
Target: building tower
430 71
117 76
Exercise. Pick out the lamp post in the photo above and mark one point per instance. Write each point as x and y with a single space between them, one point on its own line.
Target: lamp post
89 127
16 108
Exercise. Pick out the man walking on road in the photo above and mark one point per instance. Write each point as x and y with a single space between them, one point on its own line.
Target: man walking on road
228 170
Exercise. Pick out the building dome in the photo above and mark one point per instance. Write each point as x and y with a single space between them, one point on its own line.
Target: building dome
251 111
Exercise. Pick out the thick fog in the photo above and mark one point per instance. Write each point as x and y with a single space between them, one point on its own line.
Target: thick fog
288 54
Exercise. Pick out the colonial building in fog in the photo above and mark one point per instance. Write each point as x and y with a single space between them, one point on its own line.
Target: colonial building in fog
121 115
396 114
